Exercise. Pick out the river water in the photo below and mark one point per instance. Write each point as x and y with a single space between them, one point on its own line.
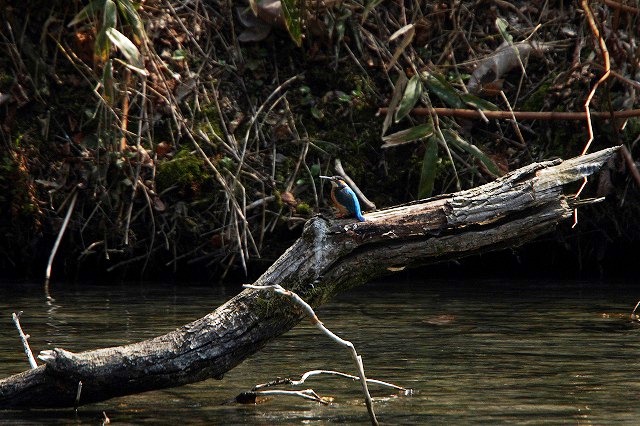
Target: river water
473 352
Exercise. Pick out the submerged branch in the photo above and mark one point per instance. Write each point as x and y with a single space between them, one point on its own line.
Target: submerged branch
312 373
342 342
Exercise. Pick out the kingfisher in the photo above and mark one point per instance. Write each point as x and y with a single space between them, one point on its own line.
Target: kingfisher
343 197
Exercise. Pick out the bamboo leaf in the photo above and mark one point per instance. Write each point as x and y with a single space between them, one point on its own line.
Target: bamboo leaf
428 172
411 95
131 16
368 8
409 28
317 113
408 31
102 46
443 90
126 47
455 139
439 86
502 26
254 7
408 135
398 90
109 15
292 11
108 82
478 103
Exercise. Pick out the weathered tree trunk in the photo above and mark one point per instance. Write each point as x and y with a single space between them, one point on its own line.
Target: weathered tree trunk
329 257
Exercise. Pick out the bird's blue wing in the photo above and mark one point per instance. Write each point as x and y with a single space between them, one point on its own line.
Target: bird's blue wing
349 200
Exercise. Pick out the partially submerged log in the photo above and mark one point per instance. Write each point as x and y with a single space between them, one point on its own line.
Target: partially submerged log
330 256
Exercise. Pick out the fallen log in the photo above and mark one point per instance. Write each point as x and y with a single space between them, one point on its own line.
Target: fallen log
330 256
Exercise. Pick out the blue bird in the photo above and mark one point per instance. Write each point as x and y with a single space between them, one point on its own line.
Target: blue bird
343 197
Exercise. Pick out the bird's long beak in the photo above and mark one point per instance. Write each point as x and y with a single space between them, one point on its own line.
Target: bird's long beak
326 177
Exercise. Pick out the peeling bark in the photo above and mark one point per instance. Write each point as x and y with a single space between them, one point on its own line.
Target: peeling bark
330 256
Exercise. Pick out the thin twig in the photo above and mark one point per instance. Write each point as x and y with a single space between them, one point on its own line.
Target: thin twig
57 242
516 128
607 73
135 180
275 92
519 115
631 165
303 153
575 211
239 211
607 68
443 142
25 340
618 5
125 109
133 259
145 192
633 313
78 393
311 373
309 394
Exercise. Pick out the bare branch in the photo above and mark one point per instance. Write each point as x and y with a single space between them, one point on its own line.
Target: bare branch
342 342
24 338
518 115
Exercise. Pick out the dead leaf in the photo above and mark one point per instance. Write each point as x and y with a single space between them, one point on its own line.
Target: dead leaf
259 19
504 59
408 31
163 149
289 199
255 29
158 204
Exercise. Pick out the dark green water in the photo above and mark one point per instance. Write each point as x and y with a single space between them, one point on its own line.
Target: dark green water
486 352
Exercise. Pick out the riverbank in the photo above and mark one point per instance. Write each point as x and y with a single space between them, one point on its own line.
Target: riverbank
187 139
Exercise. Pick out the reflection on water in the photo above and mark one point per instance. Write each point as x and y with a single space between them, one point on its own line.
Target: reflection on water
474 353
